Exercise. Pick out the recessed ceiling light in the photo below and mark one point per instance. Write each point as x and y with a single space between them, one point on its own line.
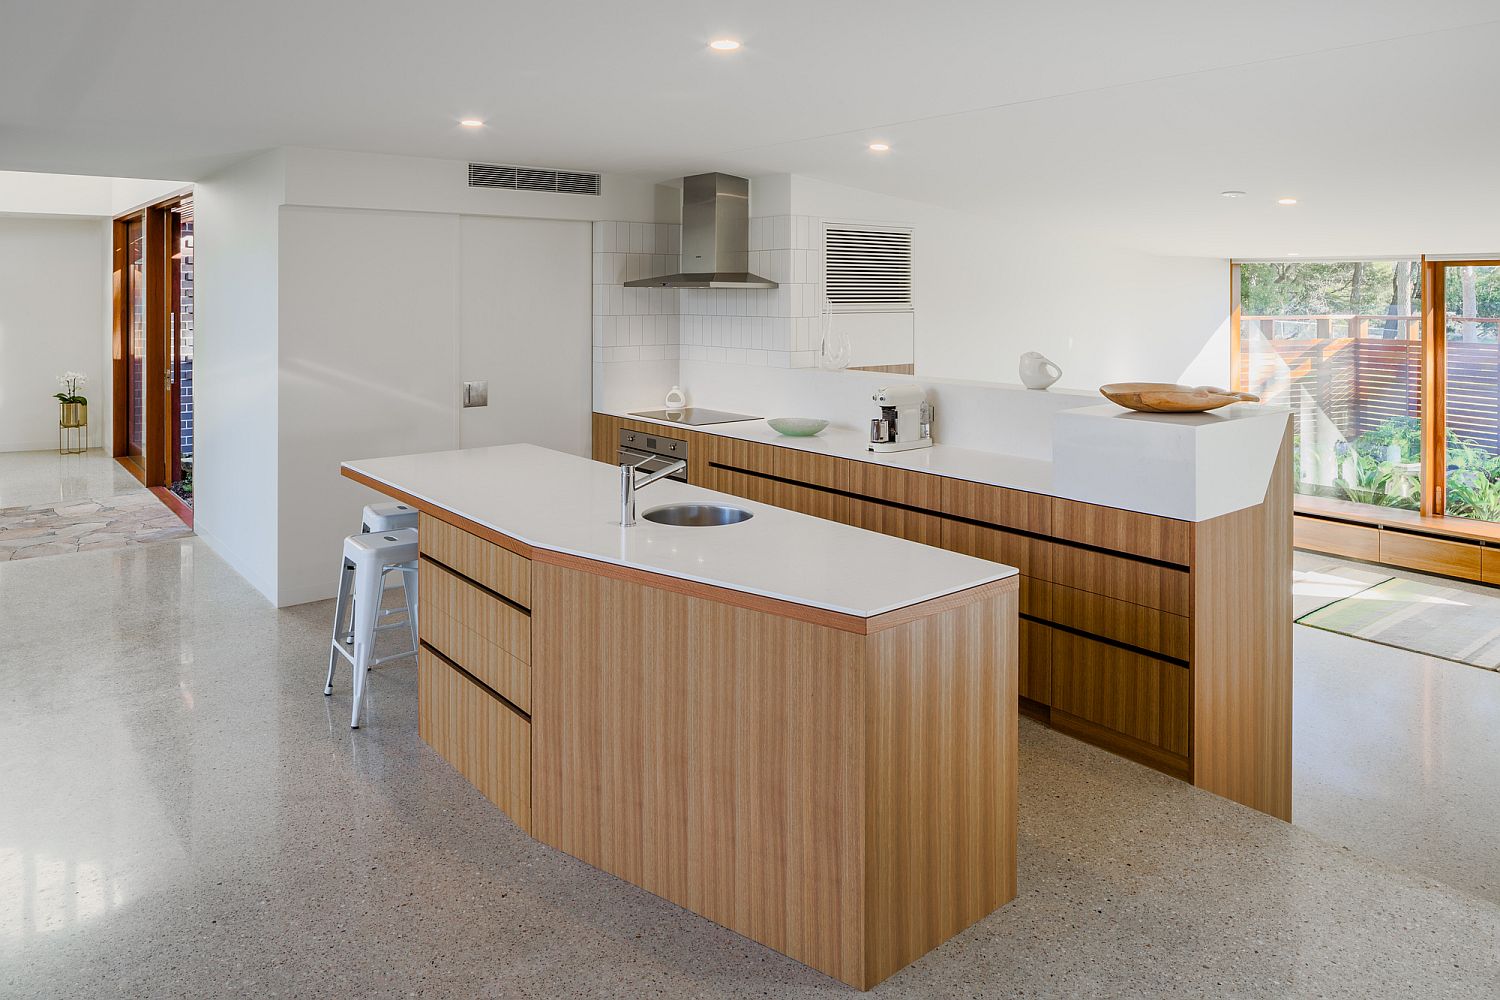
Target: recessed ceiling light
471 122
1286 201
1232 194
880 147
724 44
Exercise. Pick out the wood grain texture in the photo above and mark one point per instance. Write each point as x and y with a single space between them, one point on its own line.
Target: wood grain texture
1442 556
1489 565
1034 671
1118 743
1134 624
486 742
484 635
996 505
725 759
1118 577
1353 541
1120 690
940 784
480 560
1162 538
1242 650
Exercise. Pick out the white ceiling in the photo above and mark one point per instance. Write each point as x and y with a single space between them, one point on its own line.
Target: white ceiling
1121 121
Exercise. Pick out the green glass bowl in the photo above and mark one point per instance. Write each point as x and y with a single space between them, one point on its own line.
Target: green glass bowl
797 427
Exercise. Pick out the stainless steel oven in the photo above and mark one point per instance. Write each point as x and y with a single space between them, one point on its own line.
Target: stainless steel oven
650 452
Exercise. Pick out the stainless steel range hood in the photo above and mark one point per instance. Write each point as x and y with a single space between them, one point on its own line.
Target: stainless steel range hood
715 237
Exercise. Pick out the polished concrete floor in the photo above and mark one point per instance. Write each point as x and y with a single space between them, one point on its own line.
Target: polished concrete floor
183 814
28 478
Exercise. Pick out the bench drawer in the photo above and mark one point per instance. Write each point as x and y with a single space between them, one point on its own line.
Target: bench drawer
477 630
485 740
497 568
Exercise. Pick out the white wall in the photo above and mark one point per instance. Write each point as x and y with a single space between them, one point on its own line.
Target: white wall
52 300
235 474
986 292
382 316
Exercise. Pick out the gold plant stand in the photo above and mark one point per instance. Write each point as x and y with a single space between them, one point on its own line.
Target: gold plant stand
73 429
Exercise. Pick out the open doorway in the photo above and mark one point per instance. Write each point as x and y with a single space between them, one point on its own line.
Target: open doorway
153 349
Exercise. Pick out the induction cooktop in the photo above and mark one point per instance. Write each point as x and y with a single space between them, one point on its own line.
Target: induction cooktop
695 416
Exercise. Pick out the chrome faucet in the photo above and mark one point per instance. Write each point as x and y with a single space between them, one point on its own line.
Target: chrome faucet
629 484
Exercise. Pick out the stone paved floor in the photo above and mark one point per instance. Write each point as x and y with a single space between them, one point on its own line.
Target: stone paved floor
183 814
86 525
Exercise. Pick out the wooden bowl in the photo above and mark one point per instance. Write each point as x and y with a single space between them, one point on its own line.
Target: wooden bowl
1165 397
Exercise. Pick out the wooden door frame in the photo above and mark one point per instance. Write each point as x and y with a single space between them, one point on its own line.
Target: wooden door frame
155 465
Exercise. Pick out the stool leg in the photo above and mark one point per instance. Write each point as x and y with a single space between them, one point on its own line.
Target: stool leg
340 612
409 582
368 581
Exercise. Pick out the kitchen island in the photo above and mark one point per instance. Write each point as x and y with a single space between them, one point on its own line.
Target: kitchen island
801 730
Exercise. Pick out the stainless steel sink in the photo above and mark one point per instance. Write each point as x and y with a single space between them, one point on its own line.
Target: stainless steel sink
697 515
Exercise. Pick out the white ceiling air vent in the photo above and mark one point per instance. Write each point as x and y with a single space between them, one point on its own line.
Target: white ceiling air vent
509 178
868 268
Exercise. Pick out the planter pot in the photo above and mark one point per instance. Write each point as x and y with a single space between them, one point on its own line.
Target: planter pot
74 415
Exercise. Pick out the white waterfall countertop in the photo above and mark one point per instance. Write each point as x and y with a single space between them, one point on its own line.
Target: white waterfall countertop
563 503
1188 466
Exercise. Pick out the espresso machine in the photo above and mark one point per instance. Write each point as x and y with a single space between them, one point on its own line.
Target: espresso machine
905 421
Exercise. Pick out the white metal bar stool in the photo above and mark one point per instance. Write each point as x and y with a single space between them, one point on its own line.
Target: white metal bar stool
367 559
388 516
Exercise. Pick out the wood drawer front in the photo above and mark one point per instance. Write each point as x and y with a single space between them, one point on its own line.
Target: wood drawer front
1133 624
1028 555
1034 673
740 484
1123 579
867 514
914 489
486 742
1489 564
1123 531
493 620
1431 555
499 569
1140 696
1352 541
737 454
996 505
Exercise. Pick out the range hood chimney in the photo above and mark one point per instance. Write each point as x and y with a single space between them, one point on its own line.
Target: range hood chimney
715 237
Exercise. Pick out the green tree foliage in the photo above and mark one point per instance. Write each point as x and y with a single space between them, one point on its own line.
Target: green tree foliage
1315 288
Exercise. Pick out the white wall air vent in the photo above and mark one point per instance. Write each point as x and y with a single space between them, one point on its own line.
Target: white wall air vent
868 268
509 178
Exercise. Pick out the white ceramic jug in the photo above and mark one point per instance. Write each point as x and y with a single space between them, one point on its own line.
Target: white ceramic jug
1037 372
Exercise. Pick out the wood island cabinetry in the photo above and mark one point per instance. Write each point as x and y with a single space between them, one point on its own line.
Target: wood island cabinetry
1164 640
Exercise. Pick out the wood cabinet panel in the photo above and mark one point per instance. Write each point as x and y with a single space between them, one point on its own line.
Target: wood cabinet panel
1121 691
1489 564
1134 624
488 743
1123 530
1352 541
1029 555
996 505
482 634
1431 555
1118 577
847 800
1034 671
485 562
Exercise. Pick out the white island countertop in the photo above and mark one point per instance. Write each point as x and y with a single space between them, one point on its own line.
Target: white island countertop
571 505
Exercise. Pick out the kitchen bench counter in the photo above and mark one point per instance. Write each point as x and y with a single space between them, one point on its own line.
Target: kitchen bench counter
570 505
801 730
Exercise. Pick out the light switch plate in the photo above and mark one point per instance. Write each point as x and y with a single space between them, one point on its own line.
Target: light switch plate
476 394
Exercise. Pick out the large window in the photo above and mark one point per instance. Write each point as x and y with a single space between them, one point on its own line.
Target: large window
1341 343
1392 371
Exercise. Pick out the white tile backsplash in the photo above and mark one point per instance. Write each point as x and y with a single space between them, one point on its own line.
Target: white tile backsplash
770 327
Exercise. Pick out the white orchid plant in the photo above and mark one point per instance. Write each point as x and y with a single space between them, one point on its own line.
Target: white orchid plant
72 385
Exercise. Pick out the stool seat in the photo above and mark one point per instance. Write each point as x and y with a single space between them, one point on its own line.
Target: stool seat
368 558
387 516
